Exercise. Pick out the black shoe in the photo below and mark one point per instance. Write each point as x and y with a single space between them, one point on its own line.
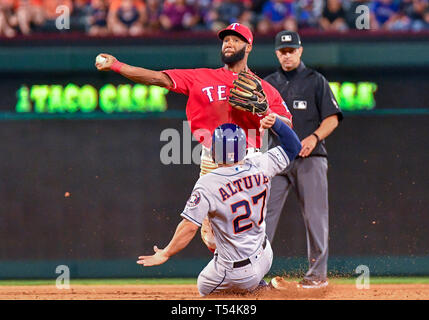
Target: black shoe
263 285
312 284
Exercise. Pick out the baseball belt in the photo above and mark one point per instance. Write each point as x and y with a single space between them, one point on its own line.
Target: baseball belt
245 262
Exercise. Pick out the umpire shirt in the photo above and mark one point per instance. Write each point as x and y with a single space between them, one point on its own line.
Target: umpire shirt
309 99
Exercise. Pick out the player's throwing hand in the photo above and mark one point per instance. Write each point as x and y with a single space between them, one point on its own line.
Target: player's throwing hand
107 64
158 258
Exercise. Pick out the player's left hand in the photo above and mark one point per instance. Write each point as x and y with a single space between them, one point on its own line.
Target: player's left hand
267 122
248 94
158 258
308 145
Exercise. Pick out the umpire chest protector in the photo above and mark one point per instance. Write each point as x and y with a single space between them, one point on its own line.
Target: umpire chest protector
309 100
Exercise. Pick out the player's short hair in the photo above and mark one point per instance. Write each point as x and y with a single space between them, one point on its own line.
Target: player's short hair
228 144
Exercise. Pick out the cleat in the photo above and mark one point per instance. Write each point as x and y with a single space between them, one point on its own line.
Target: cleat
262 286
263 283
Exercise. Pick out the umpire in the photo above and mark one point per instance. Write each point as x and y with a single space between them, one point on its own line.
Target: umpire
315 116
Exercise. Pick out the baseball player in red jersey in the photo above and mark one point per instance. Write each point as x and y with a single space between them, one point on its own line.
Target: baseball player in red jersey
208 89
208 92
208 105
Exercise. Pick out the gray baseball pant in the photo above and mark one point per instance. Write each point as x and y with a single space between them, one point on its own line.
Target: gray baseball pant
220 275
308 177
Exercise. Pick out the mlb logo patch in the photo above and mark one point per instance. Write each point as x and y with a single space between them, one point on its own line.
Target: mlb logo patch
300 104
287 38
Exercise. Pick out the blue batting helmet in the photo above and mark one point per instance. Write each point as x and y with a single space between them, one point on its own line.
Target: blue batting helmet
228 144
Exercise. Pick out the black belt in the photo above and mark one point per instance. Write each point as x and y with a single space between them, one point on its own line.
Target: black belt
245 262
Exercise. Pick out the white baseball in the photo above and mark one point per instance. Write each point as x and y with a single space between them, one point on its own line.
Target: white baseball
100 59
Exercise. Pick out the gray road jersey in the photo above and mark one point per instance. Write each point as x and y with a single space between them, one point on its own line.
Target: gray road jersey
234 198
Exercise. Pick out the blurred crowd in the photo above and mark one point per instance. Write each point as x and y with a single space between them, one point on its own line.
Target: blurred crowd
139 17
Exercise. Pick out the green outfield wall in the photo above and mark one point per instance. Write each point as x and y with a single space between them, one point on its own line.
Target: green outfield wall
191 267
335 51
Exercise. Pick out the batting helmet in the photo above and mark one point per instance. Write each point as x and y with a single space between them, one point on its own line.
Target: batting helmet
228 144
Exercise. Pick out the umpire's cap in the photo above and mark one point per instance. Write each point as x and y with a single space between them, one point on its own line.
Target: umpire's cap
237 29
228 144
287 39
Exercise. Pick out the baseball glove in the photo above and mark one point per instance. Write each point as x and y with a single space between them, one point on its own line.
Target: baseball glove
247 94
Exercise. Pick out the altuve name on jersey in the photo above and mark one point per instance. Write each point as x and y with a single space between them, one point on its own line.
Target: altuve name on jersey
241 184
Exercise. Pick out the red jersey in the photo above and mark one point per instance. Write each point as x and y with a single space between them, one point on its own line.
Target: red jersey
208 107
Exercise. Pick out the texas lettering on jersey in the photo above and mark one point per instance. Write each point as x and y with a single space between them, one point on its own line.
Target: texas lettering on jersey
240 184
215 92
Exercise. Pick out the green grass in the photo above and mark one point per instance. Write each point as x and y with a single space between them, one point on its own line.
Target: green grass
175 281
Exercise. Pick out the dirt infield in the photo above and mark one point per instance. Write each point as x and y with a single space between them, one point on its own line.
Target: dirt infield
189 292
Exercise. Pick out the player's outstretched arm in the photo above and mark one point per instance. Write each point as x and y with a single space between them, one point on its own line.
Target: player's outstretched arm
185 232
136 74
288 138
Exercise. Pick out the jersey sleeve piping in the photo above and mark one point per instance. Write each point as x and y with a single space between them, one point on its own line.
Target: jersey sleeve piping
284 155
171 78
184 215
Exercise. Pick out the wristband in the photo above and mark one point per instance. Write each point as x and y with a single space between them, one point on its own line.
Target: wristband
116 66
317 137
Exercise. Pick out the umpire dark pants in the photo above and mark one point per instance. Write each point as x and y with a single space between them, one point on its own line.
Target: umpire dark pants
308 177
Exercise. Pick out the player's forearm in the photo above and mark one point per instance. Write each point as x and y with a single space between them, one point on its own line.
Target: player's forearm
289 141
146 76
285 120
327 126
185 232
